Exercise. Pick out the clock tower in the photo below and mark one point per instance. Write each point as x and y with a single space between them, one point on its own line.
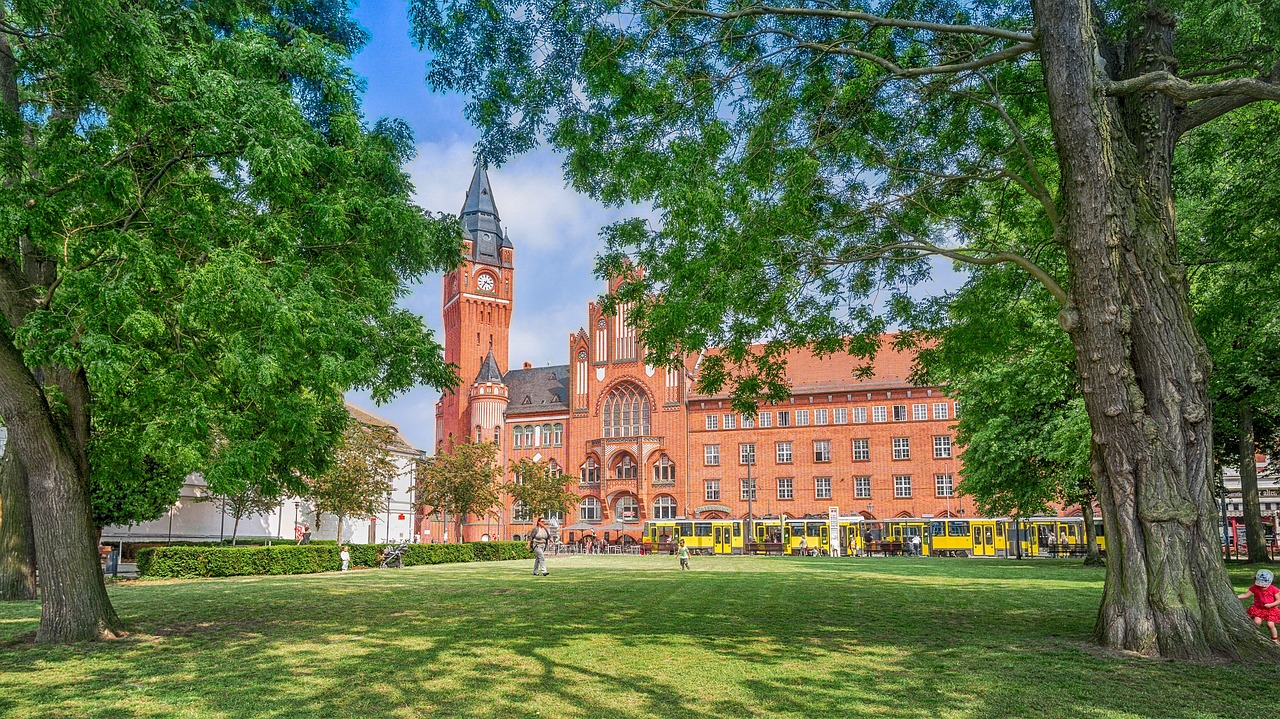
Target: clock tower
478 298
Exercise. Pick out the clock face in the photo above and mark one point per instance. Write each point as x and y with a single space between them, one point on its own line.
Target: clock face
485 282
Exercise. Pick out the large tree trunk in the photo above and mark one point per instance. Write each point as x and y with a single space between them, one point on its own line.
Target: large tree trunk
1257 541
1142 365
74 604
17 537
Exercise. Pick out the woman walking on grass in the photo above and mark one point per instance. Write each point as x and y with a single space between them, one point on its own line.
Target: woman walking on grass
538 541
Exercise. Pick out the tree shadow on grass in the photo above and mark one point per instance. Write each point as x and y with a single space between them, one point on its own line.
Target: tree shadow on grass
600 639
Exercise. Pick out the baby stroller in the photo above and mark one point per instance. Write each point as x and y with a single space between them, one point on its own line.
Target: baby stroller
393 556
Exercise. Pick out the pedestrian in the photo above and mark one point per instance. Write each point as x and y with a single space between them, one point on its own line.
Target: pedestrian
346 558
1266 601
538 541
297 533
915 545
804 547
684 556
306 534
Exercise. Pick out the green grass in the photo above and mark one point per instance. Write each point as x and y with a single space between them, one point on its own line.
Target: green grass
620 637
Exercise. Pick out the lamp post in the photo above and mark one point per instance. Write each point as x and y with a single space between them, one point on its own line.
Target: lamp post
751 495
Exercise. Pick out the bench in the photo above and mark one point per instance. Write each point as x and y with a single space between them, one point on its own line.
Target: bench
1067 550
764 548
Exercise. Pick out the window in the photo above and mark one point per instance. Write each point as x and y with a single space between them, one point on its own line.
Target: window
784 452
559 435
766 419
802 418
528 435
859 415
713 421
822 450
664 471
664 507
625 468
786 488
748 490
748 422
589 510
626 412
861 450
822 488
879 414
711 455
497 436
820 416
711 490
955 410
842 415
747 454
899 413
627 509
520 514
902 486
555 517
515 438
919 411
553 469
940 410
545 439
945 487
902 448
784 418
731 421
590 473
862 487
942 446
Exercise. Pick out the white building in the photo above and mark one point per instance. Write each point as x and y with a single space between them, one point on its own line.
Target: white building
198 516
1268 488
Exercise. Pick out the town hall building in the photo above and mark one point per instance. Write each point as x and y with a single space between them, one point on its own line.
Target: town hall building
641 444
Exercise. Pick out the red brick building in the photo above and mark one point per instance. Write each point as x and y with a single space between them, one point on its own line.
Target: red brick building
643 445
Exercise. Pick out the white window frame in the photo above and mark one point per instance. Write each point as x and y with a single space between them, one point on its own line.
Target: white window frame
901 488
919 412
902 448
766 419
865 446
944 485
730 421
786 488
711 455
713 422
880 414
782 452
748 422
745 449
820 416
802 418
592 504
744 485
862 487
664 507
940 411
942 446
822 488
711 490
904 414
784 418
822 447
841 416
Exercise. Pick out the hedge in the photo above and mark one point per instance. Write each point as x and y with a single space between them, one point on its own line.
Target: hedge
284 559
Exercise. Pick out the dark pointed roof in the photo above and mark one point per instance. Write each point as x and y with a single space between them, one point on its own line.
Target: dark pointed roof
489 369
480 219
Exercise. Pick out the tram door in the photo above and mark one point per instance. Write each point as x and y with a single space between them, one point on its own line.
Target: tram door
824 537
984 540
724 540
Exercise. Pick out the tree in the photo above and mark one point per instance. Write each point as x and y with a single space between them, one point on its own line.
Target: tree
1227 201
807 161
466 480
248 501
17 541
201 247
1024 432
538 489
361 477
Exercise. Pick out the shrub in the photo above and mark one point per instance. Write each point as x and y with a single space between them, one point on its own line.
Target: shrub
207 561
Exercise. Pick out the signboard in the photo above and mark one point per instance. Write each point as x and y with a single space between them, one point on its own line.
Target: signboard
833 520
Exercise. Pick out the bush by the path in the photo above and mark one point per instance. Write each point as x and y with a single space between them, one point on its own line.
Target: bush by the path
286 559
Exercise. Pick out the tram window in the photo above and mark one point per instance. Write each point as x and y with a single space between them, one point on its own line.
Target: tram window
1000 530
686 528
702 529
957 529
797 528
977 535
737 529
814 529
1098 528
936 528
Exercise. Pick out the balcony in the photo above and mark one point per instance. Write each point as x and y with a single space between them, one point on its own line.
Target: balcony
627 442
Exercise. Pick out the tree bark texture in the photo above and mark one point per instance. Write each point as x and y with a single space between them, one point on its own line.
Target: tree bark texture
1255 539
1141 363
17 537
74 602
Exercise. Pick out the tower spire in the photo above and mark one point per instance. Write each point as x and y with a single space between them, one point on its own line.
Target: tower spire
481 222
489 371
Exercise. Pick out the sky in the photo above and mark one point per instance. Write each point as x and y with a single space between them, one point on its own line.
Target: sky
555 230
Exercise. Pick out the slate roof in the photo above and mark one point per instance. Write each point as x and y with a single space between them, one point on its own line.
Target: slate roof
489 369
481 221
364 416
537 390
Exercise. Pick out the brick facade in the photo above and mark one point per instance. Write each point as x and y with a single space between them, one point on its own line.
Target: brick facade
633 437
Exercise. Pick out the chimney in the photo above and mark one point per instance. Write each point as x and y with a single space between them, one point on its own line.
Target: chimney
528 365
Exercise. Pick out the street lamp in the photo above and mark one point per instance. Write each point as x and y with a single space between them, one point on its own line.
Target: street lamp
751 495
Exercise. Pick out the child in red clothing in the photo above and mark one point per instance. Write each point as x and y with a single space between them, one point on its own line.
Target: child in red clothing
1266 602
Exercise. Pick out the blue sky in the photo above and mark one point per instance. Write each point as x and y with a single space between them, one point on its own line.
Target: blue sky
555 231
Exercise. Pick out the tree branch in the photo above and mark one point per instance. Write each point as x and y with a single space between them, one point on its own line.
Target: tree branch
1171 85
996 57
1211 109
835 13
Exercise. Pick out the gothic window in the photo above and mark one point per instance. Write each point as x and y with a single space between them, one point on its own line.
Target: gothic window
664 507
589 510
553 469
528 435
628 509
625 468
626 412
590 473
497 436
546 435
664 470
559 435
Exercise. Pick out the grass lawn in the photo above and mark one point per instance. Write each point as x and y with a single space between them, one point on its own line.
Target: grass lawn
620 637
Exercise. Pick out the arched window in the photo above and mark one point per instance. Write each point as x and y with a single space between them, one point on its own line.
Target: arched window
590 473
626 412
664 472
528 435
627 509
553 469
497 436
546 435
664 507
555 517
624 468
559 435
520 513
589 510
515 438
479 433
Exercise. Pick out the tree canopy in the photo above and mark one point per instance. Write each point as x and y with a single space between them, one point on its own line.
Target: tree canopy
464 480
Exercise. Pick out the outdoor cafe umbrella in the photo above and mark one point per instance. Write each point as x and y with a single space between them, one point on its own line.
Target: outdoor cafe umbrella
580 527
